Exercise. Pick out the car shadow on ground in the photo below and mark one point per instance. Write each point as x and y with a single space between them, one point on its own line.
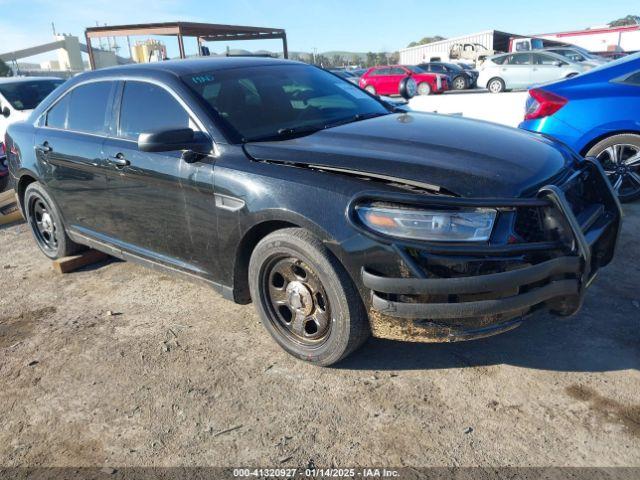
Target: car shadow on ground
575 344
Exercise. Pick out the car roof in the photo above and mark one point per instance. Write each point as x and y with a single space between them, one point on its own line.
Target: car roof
5 80
191 65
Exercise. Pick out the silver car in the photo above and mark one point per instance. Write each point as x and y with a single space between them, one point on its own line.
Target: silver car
521 70
577 54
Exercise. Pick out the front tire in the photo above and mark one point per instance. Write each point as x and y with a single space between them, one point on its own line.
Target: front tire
46 224
496 85
305 298
371 89
424 88
619 156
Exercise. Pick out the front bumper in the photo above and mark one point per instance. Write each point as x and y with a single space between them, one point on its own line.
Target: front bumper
524 277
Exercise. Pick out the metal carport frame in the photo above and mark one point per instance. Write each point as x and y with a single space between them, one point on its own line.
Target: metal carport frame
204 32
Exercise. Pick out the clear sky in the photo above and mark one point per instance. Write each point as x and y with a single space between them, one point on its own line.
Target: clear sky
353 25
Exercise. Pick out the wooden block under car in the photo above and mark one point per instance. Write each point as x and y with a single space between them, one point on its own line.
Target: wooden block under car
74 262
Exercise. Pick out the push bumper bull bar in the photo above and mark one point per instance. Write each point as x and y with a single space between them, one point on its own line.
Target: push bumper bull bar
551 281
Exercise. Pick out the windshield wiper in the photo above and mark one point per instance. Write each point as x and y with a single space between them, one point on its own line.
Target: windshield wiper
293 132
355 118
284 133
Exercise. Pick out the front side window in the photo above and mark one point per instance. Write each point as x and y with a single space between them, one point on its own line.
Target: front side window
270 101
539 59
27 95
84 109
148 108
398 71
500 60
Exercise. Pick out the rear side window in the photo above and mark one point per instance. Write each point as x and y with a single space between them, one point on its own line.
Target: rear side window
84 109
633 79
88 108
149 108
57 116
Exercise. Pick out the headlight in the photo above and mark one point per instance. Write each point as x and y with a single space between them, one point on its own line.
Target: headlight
467 225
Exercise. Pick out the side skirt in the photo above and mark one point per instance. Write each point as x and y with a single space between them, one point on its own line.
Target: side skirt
154 264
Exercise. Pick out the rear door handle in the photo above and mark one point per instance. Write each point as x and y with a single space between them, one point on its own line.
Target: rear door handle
119 161
44 148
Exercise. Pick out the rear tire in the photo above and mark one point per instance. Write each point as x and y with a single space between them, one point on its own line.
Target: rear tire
459 83
496 85
46 224
424 88
616 154
305 298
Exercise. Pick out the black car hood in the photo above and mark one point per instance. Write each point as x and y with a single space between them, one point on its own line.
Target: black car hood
469 158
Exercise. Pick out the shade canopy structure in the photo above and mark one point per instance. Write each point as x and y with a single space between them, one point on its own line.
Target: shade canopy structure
204 32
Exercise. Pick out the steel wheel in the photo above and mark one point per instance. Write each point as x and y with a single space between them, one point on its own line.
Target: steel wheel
43 224
621 162
297 302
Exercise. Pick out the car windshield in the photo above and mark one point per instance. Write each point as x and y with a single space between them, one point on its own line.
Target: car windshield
281 101
27 95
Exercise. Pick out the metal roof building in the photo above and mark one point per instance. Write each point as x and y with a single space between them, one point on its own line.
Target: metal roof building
490 39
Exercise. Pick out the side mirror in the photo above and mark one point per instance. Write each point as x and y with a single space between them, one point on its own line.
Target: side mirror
408 88
175 140
6 112
557 63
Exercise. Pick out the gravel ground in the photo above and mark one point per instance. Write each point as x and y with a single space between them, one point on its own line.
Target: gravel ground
117 365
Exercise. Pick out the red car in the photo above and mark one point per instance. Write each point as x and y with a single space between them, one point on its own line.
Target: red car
386 80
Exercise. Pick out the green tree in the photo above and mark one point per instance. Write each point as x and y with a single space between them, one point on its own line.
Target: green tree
426 40
5 71
628 20
370 60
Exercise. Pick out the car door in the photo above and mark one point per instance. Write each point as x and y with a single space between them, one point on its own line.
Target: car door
516 70
396 74
68 144
163 207
545 68
381 80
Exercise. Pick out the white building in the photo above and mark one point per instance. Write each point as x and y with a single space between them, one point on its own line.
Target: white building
601 39
489 39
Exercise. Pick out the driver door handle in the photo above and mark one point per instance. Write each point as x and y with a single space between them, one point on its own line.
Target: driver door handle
119 160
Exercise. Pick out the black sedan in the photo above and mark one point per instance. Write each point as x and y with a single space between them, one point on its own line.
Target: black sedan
460 78
279 183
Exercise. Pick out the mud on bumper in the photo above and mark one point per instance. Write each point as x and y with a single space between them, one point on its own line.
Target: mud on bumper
526 276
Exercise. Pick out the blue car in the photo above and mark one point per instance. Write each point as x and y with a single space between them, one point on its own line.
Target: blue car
598 115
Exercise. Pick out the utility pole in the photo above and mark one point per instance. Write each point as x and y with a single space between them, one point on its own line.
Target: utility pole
53 28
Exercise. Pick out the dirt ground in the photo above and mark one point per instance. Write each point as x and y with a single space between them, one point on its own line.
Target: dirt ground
121 366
